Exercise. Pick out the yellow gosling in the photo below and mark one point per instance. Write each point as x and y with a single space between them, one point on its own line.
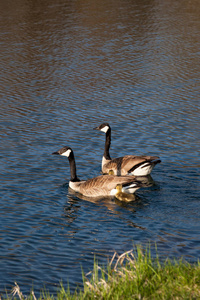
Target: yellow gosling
111 172
123 196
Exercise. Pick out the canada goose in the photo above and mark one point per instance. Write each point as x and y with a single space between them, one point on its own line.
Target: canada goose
103 185
123 196
128 164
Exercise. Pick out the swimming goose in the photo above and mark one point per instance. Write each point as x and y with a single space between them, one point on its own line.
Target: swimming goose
103 185
123 196
128 164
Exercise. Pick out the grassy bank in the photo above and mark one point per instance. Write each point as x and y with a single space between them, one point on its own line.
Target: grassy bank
134 275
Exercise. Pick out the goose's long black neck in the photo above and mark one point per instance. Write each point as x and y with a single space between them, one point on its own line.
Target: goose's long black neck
107 145
72 164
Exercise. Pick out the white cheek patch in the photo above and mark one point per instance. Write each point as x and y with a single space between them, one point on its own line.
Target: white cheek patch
66 153
105 129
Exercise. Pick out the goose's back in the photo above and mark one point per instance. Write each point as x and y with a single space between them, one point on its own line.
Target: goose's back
102 185
122 165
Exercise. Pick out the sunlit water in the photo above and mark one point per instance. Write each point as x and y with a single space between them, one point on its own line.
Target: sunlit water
66 67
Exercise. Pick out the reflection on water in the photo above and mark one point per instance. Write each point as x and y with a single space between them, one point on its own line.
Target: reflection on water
67 67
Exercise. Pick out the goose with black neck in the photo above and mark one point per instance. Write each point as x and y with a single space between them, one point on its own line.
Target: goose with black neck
141 165
103 185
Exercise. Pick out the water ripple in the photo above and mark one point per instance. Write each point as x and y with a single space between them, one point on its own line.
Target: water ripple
68 67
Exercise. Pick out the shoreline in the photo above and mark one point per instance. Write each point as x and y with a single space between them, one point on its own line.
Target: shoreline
132 275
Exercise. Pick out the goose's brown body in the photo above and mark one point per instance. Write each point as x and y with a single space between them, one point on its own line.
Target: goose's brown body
102 185
130 164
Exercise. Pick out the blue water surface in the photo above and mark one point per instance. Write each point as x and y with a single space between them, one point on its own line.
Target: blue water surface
67 67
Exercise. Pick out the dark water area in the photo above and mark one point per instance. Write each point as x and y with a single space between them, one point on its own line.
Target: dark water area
66 67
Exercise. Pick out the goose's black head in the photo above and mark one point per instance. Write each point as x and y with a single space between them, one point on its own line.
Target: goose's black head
105 127
64 151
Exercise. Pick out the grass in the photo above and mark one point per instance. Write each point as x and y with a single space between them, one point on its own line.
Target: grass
132 275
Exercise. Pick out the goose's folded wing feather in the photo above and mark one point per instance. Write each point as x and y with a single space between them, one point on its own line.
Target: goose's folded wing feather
124 164
102 185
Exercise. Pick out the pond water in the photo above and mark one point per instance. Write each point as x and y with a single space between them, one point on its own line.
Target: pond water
67 67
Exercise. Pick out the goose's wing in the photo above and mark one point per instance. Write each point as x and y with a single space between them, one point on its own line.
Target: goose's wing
141 165
128 163
102 185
